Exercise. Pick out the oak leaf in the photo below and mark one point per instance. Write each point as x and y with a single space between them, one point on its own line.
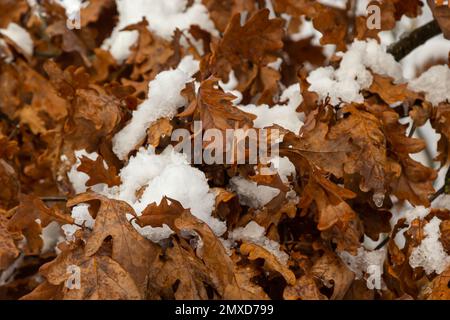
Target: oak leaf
101 278
215 108
8 249
132 251
255 251
98 173
305 288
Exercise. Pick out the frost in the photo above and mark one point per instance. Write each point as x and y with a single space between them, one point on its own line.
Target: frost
163 16
251 194
164 98
430 254
435 83
255 233
353 75
20 36
285 116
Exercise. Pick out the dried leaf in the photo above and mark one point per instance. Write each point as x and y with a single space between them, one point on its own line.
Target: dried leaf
132 251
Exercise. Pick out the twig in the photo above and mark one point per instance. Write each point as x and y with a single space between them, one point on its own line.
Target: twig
54 199
416 38
411 132
351 9
382 243
444 189
437 193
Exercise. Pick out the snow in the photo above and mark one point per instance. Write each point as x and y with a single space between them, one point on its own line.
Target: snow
72 7
231 84
163 16
430 254
276 65
435 83
69 231
6 275
442 202
228 87
254 233
284 167
81 215
285 116
251 194
307 30
353 75
51 235
155 234
155 176
20 36
365 262
341 4
435 49
168 174
164 98
419 212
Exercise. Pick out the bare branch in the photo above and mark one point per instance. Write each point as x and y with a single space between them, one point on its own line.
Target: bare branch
414 39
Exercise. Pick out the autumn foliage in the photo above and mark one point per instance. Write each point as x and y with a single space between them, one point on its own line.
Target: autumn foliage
354 164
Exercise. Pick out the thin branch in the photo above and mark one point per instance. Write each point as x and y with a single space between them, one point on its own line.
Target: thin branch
444 189
414 39
382 243
54 199
413 129
437 193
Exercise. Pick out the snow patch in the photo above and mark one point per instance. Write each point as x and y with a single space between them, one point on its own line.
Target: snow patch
353 75
163 16
285 116
164 98
255 233
20 36
430 254
167 174
366 262
251 194
435 83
